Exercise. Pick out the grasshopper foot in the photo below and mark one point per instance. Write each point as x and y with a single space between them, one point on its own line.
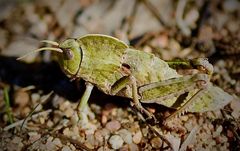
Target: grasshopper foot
150 118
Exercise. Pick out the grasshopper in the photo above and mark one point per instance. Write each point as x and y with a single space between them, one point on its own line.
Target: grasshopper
116 69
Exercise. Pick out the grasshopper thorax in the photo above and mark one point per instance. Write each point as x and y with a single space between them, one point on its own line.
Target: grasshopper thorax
70 58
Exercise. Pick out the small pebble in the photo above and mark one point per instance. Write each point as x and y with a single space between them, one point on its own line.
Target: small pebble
124 148
105 133
133 147
66 131
41 120
184 118
219 129
103 148
156 142
104 119
15 144
64 105
33 136
145 131
57 142
88 145
126 135
116 141
98 136
21 98
219 139
113 125
72 147
91 141
230 134
50 123
35 97
69 112
74 118
137 137
235 105
66 148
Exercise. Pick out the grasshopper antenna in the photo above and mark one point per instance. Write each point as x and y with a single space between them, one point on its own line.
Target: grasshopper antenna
41 49
50 42
44 48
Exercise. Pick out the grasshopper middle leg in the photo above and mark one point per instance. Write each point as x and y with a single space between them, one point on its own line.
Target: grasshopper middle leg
131 81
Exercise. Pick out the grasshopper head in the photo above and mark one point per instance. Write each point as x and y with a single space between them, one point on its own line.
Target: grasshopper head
70 58
69 55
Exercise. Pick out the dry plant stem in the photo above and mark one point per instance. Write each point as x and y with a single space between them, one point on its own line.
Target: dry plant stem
232 128
190 138
21 121
132 17
204 10
28 88
26 147
154 11
161 136
153 129
30 114
179 18
144 39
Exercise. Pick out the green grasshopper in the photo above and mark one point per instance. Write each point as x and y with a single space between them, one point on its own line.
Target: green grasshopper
116 69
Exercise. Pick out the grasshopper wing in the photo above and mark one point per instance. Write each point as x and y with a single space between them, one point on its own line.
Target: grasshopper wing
212 99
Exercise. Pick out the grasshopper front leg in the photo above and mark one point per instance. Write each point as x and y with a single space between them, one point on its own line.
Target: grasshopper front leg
84 99
131 81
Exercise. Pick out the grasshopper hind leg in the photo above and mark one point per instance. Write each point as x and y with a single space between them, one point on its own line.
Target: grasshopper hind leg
164 92
201 64
187 105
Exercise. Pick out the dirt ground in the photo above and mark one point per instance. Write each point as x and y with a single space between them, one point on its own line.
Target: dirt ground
38 101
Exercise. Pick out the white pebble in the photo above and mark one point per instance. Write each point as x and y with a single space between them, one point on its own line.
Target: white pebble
219 129
133 147
66 148
113 125
137 137
57 142
116 141
126 135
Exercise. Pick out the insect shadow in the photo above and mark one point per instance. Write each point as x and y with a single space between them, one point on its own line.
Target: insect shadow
49 77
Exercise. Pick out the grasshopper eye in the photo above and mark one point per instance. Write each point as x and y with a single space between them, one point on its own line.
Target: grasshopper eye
68 54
